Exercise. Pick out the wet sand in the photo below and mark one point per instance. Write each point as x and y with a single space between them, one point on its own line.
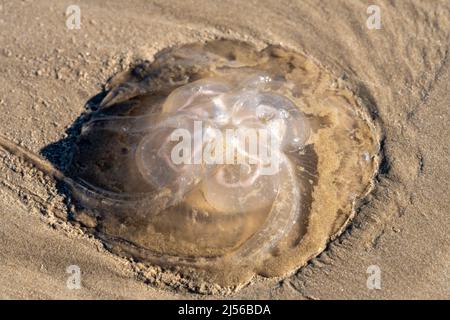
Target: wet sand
401 70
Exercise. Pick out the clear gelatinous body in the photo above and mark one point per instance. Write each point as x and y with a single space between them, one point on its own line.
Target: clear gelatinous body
223 161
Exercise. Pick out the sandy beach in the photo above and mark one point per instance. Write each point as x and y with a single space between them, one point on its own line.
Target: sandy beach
400 71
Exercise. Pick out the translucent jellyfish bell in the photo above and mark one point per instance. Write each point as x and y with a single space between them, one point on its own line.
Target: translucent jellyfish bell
284 116
169 156
245 171
196 97
238 189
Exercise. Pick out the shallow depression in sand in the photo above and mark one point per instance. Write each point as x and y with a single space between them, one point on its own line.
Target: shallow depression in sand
220 221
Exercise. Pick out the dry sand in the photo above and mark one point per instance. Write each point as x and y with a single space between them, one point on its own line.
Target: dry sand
402 70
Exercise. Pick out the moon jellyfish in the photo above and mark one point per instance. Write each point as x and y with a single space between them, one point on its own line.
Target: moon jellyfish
220 162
